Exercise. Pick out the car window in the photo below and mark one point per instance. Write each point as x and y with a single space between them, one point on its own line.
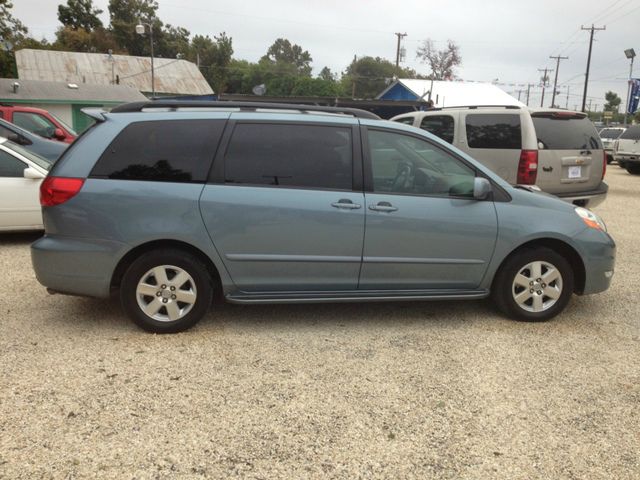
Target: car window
405 164
566 133
161 151
35 123
405 120
5 132
29 155
631 133
11 166
610 133
439 125
307 156
496 131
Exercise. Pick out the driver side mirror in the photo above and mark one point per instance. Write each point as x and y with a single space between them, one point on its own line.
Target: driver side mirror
33 174
58 133
481 188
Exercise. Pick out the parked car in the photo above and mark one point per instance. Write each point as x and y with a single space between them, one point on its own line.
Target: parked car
627 150
38 121
557 150
167 205
21 172
608 137
48 149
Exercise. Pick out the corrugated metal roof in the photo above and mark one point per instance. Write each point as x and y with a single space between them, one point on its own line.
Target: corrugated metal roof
40 90
172 76
455 93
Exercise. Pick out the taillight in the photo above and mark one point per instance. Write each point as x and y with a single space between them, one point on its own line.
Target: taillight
604 164
528 167
57 190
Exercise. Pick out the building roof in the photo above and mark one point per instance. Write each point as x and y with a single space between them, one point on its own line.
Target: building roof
31 90
172 76
454 93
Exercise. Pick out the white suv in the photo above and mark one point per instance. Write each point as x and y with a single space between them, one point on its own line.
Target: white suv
627 150
557 150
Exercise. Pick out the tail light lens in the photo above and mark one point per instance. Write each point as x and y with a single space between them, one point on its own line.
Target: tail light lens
57 190
528 167
604 164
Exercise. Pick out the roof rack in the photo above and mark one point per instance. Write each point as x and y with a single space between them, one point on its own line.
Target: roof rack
474 107
246 106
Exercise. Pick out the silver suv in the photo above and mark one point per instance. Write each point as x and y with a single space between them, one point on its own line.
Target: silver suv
557 150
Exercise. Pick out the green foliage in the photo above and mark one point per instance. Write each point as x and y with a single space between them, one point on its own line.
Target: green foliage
125 15
366 77
214 56
79 14
613 101
316 87
287 58
80 40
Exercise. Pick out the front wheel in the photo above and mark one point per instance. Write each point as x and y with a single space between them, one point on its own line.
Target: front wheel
166 291
533 284
633 169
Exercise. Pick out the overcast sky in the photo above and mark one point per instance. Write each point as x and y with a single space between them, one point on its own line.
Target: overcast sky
507 40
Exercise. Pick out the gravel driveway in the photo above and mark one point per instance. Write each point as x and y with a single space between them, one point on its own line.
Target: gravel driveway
406 390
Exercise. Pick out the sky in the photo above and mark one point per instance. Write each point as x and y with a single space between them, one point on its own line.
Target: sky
506 41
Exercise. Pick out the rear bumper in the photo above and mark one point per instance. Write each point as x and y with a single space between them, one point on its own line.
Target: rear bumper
627 158
75 266
590 199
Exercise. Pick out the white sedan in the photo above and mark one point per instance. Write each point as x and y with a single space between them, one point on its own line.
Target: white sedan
21 173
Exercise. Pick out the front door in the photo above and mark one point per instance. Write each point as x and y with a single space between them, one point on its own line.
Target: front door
19 196
424 229
284 211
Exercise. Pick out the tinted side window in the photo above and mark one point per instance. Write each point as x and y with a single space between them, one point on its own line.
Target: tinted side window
35 123
405 120
566 133
631 133
161 151
405 164
440 125
486 130
11 166
307 156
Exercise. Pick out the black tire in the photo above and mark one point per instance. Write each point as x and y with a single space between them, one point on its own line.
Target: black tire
503 289
633 169
622 164
188 314
609 159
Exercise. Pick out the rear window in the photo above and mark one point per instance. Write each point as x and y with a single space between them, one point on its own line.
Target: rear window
440 125
405 120
161 151
497 131
571 133
632 133
610 133
305 156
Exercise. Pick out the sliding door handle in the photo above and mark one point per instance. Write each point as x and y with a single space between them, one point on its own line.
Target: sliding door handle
346 204
383 207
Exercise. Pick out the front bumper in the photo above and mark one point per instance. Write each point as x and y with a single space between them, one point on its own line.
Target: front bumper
599 256
76 266
589 199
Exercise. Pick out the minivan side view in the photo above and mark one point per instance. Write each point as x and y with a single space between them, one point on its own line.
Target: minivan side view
557 150
166 203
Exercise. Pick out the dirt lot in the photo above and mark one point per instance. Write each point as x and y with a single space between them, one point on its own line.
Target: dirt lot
422 390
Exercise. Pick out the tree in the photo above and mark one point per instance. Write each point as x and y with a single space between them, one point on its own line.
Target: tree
327 75
80 40
12 32
441 62
316 87
125 15
288 58
214 58
79 14
613 101
367 77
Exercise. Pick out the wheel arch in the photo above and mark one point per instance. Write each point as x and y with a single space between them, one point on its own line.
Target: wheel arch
135 252
561 247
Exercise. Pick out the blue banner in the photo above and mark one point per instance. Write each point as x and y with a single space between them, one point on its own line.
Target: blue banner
634 98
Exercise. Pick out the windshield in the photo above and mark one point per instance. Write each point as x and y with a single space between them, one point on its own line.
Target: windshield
65 125
32 157
611 133
566 133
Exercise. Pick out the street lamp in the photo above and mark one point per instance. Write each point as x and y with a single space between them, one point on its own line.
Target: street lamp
141 30
629 53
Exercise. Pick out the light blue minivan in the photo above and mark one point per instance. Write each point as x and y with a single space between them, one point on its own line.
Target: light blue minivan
167 202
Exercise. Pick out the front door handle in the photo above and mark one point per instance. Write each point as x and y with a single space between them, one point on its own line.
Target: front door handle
383 207
346 204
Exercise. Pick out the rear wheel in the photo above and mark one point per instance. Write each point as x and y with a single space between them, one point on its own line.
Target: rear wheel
633 169
533 284
166 291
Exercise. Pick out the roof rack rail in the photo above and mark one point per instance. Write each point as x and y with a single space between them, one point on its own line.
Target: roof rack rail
473 107
247 106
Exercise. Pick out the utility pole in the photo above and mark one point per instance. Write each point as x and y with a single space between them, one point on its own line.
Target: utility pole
544 83
586 78
528 92
555 80
567 106
400 36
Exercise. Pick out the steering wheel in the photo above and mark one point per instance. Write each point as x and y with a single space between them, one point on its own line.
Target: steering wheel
403 176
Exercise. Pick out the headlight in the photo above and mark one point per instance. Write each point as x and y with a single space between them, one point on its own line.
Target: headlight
591 219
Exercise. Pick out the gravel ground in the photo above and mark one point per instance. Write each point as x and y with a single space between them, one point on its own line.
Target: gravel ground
421 390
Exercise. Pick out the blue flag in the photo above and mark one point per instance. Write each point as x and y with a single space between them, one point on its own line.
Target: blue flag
634 98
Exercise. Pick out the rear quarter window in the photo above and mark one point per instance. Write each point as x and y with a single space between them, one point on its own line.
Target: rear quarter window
632 133
161 151
439 125
570 133
493 130
405 120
